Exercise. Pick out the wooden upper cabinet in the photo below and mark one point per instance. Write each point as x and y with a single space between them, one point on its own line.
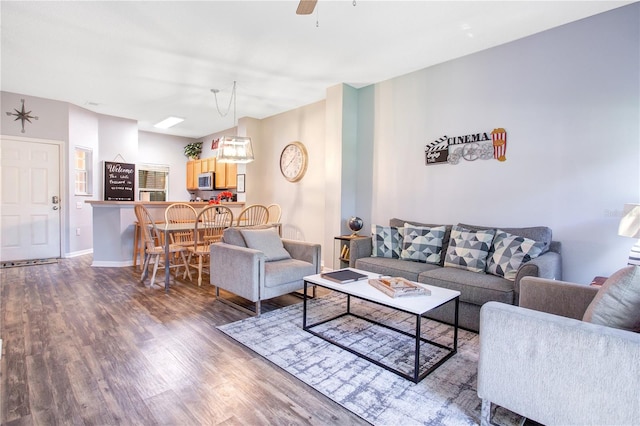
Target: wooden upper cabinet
194 168
221 176
210 164
192 177
226 173
232 175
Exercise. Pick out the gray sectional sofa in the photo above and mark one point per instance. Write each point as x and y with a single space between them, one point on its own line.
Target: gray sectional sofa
476 288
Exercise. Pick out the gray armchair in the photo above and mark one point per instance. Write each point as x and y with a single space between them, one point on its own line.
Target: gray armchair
543 362
256 264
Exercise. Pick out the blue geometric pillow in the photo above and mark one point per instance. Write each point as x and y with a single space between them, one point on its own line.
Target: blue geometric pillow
386 241
422 244
509 252
468 249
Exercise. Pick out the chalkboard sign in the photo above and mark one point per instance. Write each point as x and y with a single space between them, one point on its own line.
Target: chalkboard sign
119 181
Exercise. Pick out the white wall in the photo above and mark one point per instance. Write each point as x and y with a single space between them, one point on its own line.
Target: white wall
303 203
52 122
156 148
83 133
569 100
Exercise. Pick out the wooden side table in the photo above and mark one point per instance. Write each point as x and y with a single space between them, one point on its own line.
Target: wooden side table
341 250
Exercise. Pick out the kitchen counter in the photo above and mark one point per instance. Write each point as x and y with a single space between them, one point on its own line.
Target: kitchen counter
196 204
113 227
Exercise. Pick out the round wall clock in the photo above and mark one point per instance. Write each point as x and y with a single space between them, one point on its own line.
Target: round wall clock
293 161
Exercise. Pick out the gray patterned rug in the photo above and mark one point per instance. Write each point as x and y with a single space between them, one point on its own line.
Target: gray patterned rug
445 397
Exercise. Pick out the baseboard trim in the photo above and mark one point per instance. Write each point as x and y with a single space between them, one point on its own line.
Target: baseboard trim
78 253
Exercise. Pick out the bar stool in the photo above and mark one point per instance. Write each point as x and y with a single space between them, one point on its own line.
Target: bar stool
138 247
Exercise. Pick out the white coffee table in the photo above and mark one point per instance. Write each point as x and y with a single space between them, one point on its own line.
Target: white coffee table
416 305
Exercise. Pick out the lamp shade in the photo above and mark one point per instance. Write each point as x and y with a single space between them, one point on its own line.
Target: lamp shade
235 149
630 222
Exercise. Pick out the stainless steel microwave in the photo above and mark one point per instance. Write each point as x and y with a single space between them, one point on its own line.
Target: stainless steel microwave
206 181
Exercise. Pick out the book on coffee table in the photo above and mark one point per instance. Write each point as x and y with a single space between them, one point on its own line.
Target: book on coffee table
343 276
398 287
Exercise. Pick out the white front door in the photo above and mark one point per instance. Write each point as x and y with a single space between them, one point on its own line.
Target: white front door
29 199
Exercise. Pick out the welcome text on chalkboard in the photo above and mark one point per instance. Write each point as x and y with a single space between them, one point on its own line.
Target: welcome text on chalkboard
119 181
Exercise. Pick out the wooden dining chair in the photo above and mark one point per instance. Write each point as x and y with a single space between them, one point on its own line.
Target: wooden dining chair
275 213
210 224
181 213
255 214
151 236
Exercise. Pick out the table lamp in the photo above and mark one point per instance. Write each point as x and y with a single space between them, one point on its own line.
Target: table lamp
630 227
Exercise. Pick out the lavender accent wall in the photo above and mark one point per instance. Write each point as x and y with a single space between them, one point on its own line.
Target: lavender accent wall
569 99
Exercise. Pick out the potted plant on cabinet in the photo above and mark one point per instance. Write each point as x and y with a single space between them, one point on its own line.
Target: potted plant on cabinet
193 150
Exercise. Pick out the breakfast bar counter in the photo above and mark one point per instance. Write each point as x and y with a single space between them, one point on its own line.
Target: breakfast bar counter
113 227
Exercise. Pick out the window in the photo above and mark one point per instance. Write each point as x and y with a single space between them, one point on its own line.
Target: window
153 182
83 160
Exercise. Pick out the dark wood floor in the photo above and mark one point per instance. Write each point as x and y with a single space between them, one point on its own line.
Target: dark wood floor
83 345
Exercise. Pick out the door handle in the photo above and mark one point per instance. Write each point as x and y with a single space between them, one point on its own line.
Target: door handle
55 207
55 199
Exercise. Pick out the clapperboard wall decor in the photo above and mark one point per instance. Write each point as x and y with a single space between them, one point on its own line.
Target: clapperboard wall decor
119 181
482 145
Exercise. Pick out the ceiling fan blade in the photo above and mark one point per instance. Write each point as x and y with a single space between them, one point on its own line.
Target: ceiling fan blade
305 7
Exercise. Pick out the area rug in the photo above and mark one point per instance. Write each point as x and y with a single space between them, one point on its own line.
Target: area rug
445 397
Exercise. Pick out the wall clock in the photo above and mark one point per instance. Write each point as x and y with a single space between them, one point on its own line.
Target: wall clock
293 161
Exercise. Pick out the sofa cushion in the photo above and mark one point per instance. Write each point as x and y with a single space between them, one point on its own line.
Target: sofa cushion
474 288
468 249
617 303
387 241
422 244
536 233
508 252
394 267
267 241
445 239
233 236
286 271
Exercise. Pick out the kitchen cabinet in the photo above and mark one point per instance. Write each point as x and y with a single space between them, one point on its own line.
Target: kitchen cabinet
209 164
192 177
194 168
226 173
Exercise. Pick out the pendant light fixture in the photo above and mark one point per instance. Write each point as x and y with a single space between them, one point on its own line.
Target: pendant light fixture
233 149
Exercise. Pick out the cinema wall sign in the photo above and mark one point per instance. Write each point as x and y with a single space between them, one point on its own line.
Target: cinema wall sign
484 146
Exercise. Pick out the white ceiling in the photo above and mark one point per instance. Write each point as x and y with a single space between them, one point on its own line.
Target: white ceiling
151 59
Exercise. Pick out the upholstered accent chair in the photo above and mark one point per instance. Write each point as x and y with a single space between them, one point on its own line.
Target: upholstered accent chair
568 355
256 264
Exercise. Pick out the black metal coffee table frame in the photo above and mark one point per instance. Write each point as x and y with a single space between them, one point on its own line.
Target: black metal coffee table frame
416 376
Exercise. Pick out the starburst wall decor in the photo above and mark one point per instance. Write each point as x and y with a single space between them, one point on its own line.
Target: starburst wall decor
22 115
